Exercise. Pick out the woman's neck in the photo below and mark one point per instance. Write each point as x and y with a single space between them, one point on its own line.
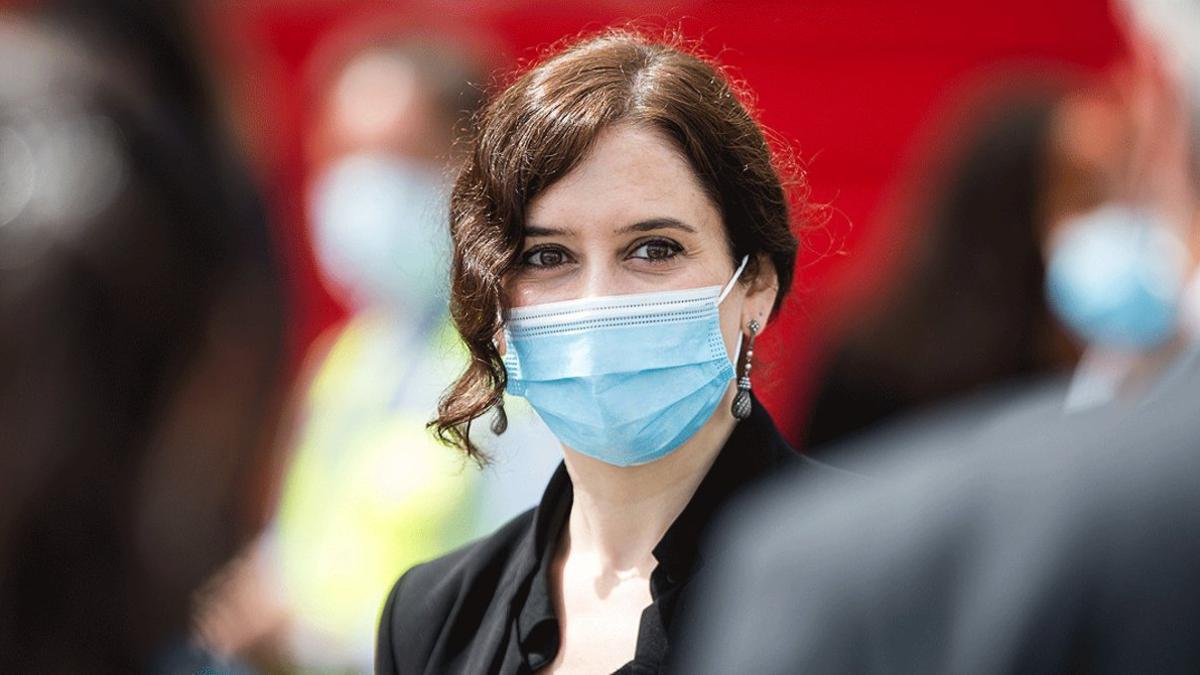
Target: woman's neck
619 514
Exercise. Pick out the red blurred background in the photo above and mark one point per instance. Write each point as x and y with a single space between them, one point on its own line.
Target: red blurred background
856 87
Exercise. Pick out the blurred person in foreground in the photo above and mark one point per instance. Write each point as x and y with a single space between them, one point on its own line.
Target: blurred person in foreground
1072 545
141 340
1071 548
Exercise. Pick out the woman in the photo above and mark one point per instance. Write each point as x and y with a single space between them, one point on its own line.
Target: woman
620 239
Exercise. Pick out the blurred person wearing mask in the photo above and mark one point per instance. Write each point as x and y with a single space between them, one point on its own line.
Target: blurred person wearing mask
141 340
1124 276
1070 545
369 490
1051 252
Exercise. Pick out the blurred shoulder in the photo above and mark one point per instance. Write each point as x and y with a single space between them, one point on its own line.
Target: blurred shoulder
814 469
799 475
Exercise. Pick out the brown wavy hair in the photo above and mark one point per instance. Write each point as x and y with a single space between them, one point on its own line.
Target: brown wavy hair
542 125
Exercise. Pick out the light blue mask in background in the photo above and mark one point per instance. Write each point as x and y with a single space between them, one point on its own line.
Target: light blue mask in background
380 234
625 379
1115 277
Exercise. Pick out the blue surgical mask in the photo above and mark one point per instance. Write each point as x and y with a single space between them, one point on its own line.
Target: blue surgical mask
1115 276
625 379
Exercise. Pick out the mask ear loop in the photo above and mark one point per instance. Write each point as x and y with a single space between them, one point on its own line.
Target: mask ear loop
736 275
737 352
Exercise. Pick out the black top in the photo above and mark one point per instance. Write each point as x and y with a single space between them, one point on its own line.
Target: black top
488 608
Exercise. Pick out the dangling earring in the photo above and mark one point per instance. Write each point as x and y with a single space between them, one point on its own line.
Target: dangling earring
741 402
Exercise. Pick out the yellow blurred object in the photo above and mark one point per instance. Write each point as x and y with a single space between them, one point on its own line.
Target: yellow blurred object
369 492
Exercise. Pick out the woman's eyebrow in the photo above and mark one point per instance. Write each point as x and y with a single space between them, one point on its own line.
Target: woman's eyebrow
657 224
539 231
663 223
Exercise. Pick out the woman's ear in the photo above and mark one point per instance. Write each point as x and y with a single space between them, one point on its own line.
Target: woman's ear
761 293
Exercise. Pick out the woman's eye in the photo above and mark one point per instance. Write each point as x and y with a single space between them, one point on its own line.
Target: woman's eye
545 257
658 249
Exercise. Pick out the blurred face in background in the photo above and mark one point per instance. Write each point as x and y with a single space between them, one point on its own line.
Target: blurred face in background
379 102
1120 236
377 202
1087 151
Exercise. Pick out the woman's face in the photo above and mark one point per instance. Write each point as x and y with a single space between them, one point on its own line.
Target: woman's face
630 218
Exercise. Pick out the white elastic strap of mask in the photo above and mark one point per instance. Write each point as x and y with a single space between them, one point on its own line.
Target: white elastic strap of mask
738 273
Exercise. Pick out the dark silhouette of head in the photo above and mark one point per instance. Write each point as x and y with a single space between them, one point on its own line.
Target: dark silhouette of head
141 338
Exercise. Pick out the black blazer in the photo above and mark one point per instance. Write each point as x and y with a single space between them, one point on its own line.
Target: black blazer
487 607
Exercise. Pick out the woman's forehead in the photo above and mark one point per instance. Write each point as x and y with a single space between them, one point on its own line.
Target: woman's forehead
631 174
